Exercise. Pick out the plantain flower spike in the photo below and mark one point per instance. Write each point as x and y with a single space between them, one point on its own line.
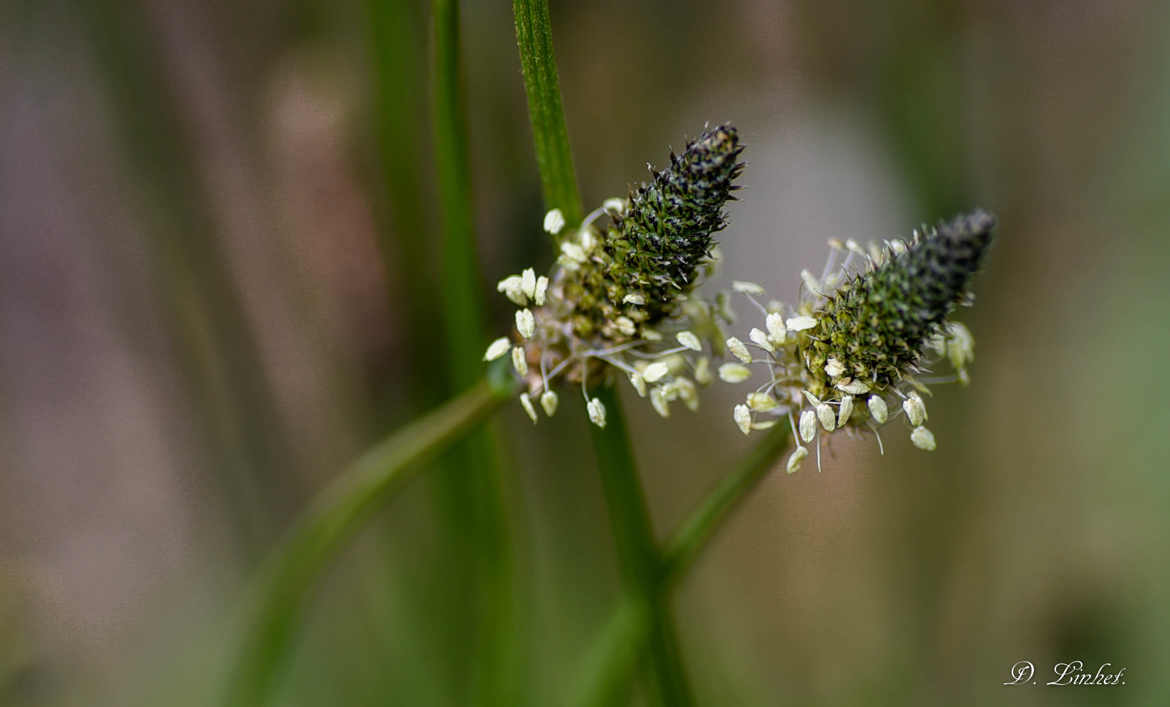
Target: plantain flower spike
620 297
871 328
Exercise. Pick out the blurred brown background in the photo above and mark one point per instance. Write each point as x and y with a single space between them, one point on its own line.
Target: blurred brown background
217 225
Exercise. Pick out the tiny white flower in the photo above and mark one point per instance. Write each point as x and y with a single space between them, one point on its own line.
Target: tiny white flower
512 287
554 221
634 298
625 325
655 372
526 403
614 206
922 438
658 402
845 410
737 349
761 402
801 323
853 387
915 409
960 345
854 247
596 412
812 399
650 335
834 368
497 348
827 417
734 373
796 458
748 288
703 371
525 323
541 290
689 340
549 401
519 360
528 282
774 323
574 252
898 246
764 424
878 409
759 338
808 425
743 418
639 384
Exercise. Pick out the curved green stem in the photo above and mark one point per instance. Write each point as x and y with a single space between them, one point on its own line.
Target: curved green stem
637 554
285 582
609 665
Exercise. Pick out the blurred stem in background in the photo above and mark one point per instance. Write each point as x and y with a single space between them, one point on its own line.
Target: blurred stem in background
473 488
220 360
274 612
629 517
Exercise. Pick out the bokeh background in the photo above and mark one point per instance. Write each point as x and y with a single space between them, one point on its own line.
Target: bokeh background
218 283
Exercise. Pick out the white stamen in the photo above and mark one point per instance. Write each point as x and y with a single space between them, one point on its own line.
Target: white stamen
526 403
878 409
596 411
759 338
737 349
525 323
549 401
774 323
689 340
923 438
743 418
801 323
808 425
519 360
827 417
541 289
845 410
747 288
734 373
796 458
655 372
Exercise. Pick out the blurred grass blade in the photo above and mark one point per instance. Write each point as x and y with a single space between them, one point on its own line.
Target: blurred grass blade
609 665
284 585
558 179
472 488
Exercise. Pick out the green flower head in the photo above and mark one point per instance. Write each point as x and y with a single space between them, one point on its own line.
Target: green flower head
620 298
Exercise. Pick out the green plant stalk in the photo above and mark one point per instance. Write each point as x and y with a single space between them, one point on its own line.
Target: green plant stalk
473 490
631 523
554 157
609 664
637 554
273 610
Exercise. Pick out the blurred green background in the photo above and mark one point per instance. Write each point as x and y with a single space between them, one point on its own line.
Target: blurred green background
218 283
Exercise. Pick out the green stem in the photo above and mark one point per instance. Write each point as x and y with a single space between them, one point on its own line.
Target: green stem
637 553
285 582
554 157
472 491
609 664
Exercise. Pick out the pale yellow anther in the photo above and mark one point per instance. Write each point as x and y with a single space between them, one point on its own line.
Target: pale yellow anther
915 409
528 282
655 372
525 323
743 418
827 417
923 438
573 252
761 402
541 290
689 340
845 410
777 332
634 298
639 384
759 338
658 402
549 401
808 425
519 360
625 325
703 371
554 221
801 323
877 409
834 368
526 403
748 288
497 348
596 411
739 350
796 458
853 387
734 373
